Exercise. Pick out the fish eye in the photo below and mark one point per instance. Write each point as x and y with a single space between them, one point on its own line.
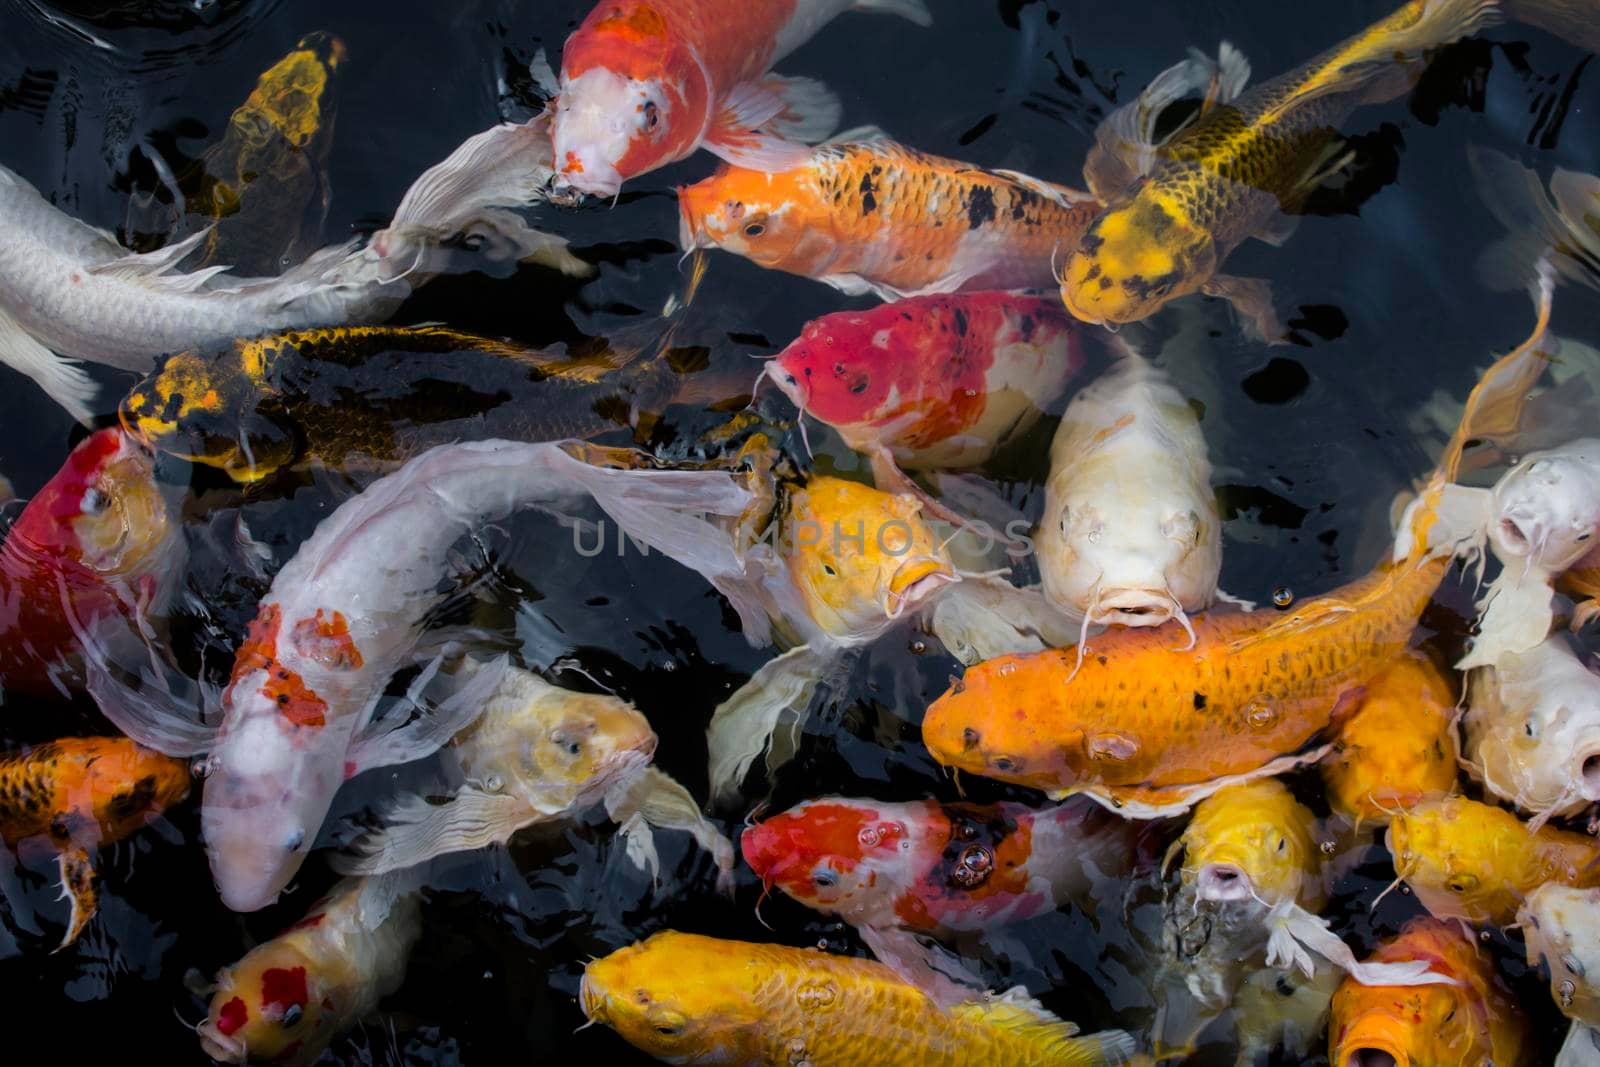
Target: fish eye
755 229
560 739
824 879
1585 535
292 1015
829 571
1464 883
1283 843
652 114
668 1031
1004 763
94 501
296 838
1529 729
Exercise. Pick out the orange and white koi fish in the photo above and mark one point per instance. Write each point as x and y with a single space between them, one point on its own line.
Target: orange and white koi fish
645 83
79 793
1469 1016
867 215
290 997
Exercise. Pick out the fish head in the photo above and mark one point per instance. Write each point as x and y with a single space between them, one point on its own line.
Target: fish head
1540 739
680 997
270 1006
836 855
859 557
756 215
1132 260
1402 1026
103 510
1449 851
1547 511
1250 840
130 785
1561 927
983 725
288 102
581 742
1398 747
212 409
1135 561
634 96
841 369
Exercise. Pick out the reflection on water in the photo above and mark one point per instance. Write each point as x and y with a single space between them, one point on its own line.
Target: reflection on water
99 99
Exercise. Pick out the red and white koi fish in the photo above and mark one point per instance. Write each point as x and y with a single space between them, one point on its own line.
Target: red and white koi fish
340 619
932 381
645 83
99 540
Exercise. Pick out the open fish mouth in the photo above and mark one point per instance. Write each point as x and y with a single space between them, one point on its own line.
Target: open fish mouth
219 1046
1135 607
1223 882
1589 773
1370 1053
914 582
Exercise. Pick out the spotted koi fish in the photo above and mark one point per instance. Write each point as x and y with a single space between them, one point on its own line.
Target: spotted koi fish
645 83
290 997
79 793
873 216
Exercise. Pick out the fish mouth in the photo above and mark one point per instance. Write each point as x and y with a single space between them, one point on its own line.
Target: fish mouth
1589 774
592 999
915 581
1517 534
1135 607
1370 1052
1223 882
691 235
219 1046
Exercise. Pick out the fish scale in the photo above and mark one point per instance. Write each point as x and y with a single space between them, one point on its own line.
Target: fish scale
27 792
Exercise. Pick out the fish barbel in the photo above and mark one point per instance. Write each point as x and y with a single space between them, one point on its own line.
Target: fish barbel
686 998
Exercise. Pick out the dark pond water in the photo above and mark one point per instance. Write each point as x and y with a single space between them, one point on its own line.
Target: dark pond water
1311 443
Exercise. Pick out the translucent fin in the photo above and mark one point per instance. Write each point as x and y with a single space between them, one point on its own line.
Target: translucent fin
153 715
982 618
1296 933
915 10
810 109
77 885
415 831
152 267
1125 143
1461 516
1135 802
1581 1048
1517 614
754 150
858 135
1055 1039
658 800
379 895
386 744
63 381
743 725
1252 299
932 968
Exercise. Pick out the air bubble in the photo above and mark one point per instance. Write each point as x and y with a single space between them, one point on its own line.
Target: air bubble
1282 596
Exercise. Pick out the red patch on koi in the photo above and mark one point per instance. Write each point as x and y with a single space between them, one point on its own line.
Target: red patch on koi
327 641
309 921
232 1016
282 987
259 652
635 24
349 769
573 165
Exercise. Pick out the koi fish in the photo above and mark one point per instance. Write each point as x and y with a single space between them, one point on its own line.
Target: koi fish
257 406
1478 863
290 997
1471 1017
645 83
1561 926
1533 730
1252 845
684 998
932 382
263 182
868 215
79 793
1399 745
70 289
536 754
1176 208
893 869
1282 1010
99 541
1130 532
340 619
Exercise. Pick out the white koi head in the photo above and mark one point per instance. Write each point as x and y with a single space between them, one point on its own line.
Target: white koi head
1547 508
633 97
1561 925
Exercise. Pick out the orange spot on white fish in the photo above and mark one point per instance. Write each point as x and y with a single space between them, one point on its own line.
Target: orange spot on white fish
327 641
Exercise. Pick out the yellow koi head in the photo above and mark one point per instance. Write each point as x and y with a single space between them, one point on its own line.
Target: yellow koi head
1397 748
860 557
1252 840
1463 859
681 998
212 409
274 1005
759 216
1133 259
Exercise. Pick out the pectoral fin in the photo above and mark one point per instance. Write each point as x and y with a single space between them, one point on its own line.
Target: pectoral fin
77 885
930 967
656 799
738 136
416 831
385 745
1517 614
63 381
1252 300
1296 933
810 109
743 725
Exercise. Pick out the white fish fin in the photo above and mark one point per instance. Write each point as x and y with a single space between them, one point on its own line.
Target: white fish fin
639 845
810 112
1296 933
1517 614
932 968
415 831
63 381
154 715
1516 196
1058 194
543 74
1238 602
662 802
1461 518
1252 299
379 893
915 10
152 268
755 150
1581 1048
1189 796
858 135
746 107
982 618
504 236
384 744
742 725
1125 142
856 285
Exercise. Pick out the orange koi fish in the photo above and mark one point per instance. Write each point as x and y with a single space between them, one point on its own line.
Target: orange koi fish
79 793
645 83
873 216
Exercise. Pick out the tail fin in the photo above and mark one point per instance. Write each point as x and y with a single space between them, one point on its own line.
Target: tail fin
1574 21
63 381
1566 229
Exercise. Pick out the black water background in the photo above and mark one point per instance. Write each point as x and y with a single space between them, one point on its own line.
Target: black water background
1311 442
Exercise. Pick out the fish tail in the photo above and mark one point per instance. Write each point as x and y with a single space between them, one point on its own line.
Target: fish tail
63 381
1562 229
